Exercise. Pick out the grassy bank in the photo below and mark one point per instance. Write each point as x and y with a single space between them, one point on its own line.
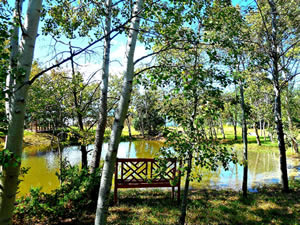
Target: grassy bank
268 206
43 141
34 142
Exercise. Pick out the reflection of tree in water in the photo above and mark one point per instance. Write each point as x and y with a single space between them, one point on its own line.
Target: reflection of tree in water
263 162
294 166
209 178
129 149
39 174
147 149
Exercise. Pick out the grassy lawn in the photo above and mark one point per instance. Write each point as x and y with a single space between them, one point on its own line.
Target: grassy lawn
269 206
137 207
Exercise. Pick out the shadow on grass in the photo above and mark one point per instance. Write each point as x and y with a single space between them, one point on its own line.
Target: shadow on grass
270 206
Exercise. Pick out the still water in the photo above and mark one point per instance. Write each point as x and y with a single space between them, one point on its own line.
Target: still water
263 167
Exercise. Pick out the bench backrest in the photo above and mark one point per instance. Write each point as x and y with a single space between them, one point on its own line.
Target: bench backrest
143 170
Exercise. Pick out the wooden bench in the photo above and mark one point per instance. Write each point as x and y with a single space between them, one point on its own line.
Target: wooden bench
142 173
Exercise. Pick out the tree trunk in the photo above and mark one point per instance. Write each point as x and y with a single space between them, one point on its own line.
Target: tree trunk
60 159
215 133
186 192
295 144
291 125
204 133
260 128
281 144
110 159
264 129
235 116
256 134
215 137
211 136
245 142
14 46
14 139
99 137
129 127
189 167
271 137
142 125
222 128
84 162
277 90
234 128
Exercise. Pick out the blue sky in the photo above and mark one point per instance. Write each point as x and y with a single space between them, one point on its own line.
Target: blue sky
46 49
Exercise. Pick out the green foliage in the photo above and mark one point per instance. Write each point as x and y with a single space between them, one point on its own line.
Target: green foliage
149 115
49 99
8 158
68 201
192 101
72 19
58 98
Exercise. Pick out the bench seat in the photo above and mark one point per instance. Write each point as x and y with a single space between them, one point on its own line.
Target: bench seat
139 173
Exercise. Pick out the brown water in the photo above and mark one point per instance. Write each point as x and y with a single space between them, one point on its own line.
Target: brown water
263 167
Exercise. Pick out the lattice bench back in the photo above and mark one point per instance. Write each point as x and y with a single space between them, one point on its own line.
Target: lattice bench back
143 173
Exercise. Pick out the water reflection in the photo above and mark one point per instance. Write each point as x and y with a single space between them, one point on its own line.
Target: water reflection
263 167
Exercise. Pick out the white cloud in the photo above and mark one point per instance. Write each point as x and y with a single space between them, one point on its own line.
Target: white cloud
90 68
118 58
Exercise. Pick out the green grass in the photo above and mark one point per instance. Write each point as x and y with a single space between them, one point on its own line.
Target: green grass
268 206
266 144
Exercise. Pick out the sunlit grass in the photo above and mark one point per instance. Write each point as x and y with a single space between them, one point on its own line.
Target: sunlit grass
269 206
134 132
266 144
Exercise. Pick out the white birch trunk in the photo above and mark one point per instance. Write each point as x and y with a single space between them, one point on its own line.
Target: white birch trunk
9 180
104 89
109 163
14 46
222 127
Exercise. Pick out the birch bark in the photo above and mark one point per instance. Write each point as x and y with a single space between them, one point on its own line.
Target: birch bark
109 162
104 89
9 179
14 46
222 127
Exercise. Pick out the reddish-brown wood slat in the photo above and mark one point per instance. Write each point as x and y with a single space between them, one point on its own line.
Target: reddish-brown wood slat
134 174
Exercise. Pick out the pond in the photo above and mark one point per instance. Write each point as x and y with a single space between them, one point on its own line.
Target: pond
263 167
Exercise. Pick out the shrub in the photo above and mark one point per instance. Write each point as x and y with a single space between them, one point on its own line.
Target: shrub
71 200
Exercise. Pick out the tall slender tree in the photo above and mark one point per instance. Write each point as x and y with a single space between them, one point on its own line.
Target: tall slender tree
104 89
277 38
120 115
18 97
